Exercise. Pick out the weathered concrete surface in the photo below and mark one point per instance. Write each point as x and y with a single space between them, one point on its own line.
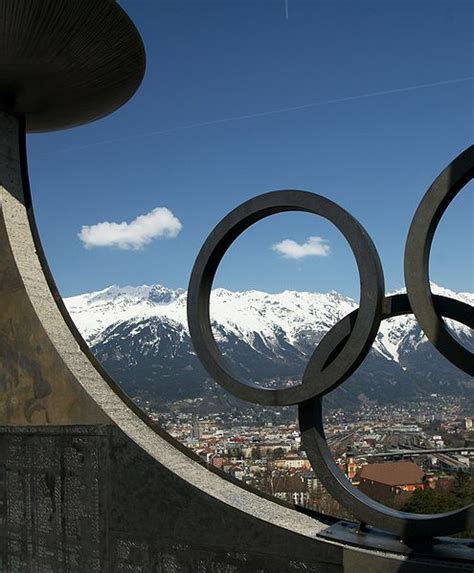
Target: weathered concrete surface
86 499
35 385
86 482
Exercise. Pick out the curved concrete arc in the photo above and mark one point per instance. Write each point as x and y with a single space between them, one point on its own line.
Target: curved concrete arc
87 482
75 363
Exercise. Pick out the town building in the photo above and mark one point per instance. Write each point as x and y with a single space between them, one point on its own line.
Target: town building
385 481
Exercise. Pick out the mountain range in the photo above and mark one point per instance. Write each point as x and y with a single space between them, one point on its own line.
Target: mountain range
140 335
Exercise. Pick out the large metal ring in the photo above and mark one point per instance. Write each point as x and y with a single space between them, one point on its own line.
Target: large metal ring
406 525
365 326
417 253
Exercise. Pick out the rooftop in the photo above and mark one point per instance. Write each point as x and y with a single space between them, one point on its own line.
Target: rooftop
393 473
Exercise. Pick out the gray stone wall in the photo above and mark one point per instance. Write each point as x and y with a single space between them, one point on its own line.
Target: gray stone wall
86 499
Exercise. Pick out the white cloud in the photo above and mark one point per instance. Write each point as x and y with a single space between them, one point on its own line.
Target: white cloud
159 222
312 247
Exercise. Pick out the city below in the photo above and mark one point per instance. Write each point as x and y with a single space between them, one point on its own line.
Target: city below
415 457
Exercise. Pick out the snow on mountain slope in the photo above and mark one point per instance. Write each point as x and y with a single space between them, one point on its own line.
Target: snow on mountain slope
94 312
247 315
396 333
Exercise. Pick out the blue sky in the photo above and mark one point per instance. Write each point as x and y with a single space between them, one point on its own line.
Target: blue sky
206 131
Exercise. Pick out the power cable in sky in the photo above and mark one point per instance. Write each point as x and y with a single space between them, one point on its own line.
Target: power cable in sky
272 112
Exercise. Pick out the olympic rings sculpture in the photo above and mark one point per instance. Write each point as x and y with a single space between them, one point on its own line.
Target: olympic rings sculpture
346 345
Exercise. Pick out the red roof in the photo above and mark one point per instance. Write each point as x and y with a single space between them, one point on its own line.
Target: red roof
393 473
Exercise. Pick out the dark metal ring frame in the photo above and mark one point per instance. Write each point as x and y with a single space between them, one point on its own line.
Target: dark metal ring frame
345 346
364 329
406 525
417 254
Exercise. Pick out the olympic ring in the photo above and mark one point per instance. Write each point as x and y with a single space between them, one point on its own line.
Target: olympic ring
417 253
364 328
347 343
406 525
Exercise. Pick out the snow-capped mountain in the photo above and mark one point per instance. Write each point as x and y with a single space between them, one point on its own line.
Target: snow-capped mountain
141 336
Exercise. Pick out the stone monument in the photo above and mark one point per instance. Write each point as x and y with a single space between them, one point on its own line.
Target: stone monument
87 482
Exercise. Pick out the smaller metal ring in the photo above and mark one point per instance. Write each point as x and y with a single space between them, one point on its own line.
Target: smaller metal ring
365 326
417 255
406 525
